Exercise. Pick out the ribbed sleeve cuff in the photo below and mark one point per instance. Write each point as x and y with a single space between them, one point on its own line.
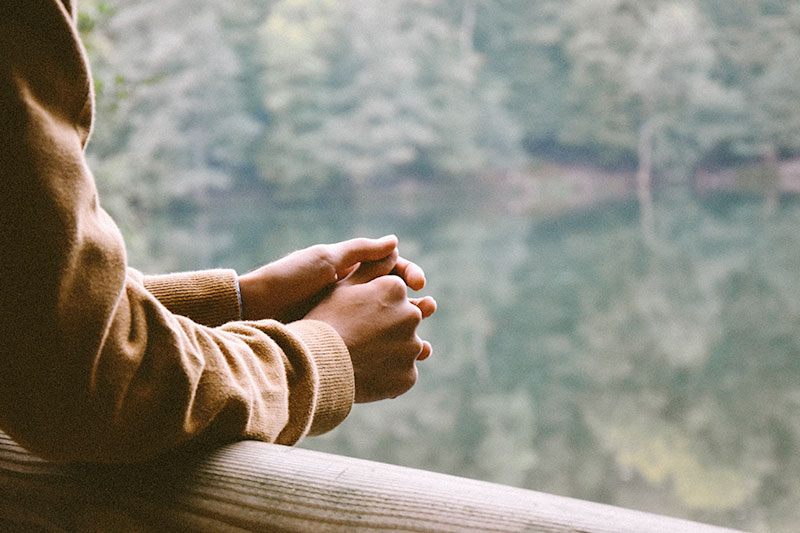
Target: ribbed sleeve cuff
336 391
208 297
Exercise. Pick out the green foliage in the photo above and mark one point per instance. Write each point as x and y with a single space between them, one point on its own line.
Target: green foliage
359 92
684 364
312 96
757 38
568 358
171 124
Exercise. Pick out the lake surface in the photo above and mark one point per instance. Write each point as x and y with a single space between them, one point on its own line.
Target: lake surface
569 357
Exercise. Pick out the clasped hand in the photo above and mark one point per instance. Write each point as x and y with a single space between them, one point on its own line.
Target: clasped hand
358 287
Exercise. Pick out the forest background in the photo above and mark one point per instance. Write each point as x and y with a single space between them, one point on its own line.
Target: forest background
602 192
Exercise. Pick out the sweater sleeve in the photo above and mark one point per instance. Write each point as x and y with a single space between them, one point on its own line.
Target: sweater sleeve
209 297
93 366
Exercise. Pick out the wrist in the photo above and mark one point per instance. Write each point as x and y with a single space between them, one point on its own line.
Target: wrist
258 290
239 297
248 289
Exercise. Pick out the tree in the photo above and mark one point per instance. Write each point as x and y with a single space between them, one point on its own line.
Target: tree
521 44
171 124
359 92
670 75
643 81
598 39
757 43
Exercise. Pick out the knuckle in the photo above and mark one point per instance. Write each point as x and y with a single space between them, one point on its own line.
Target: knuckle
359 243
404 377
323 257
411 377
419 344
416 314
394 286
405 381
320 252
412 318
414 349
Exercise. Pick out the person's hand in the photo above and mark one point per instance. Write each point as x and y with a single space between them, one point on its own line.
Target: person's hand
288 288
372 313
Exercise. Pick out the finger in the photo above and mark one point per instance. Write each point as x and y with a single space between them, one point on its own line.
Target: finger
370 270
347 271
411 273
426 305
427 351
347 254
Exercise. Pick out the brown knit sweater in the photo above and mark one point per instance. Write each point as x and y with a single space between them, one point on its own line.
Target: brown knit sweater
98 362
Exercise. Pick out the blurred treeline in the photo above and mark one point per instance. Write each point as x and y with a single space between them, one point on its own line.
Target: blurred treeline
315 98
575 353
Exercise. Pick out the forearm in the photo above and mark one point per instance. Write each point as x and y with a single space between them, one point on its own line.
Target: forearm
157 380
92 365
208 297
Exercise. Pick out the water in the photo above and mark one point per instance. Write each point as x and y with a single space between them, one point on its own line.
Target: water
569 357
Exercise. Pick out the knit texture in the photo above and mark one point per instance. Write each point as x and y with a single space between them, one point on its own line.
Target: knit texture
337 387
100 363
207 297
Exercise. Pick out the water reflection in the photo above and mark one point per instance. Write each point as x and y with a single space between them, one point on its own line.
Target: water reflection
570 359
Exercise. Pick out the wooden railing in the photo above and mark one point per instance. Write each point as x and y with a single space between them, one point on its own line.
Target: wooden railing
253 486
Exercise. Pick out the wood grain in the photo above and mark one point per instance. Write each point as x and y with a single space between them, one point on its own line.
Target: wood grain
254 486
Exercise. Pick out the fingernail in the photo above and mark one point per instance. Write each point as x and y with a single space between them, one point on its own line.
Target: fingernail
389 237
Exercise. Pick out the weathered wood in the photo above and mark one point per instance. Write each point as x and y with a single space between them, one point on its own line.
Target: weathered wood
252 486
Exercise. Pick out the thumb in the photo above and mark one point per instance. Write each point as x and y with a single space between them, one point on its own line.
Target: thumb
369 270
346 255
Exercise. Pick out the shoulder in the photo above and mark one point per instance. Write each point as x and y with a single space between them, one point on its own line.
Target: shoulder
44 58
